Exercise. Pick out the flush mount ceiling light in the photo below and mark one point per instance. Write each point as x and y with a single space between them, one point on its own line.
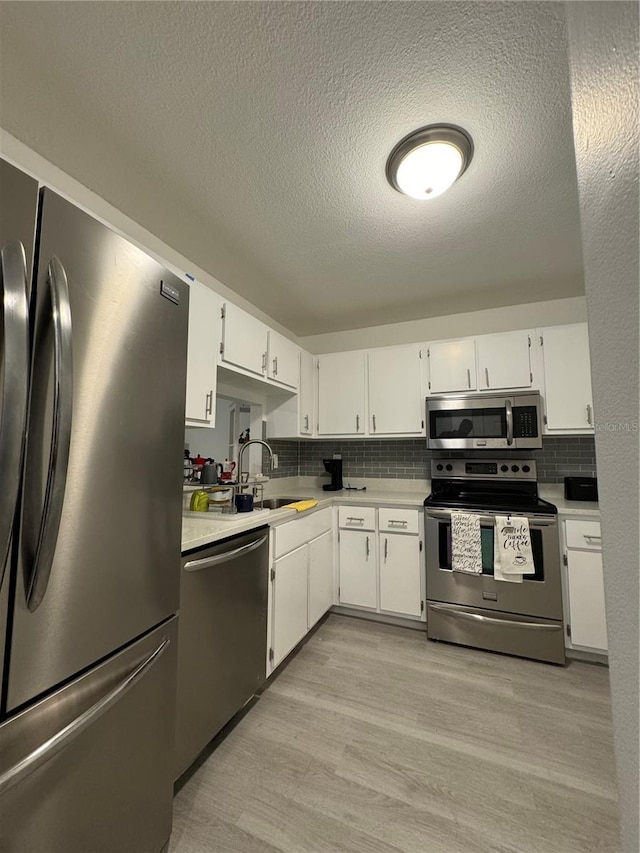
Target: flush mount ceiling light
427 162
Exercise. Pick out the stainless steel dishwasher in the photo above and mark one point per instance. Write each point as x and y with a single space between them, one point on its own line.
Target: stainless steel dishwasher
222 639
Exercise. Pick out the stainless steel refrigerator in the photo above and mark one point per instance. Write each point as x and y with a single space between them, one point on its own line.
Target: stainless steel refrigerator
93 339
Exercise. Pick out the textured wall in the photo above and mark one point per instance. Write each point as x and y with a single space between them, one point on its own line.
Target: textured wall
603 52
409 458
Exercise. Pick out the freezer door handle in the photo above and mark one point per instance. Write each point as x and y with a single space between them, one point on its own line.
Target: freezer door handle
63 738
478 617
60 435
207 562
13 405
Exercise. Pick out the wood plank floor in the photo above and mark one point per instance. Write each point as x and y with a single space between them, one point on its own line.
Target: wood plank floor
375 740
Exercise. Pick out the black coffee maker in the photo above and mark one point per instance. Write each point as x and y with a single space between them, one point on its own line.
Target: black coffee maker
333 467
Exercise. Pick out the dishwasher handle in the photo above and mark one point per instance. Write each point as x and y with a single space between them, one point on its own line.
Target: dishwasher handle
207 562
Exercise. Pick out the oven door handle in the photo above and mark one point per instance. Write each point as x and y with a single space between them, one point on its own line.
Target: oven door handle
478 617
490 520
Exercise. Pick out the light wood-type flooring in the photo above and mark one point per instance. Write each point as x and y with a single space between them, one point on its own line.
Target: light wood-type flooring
375 740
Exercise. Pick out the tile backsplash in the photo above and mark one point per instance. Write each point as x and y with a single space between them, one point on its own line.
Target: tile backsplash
409 459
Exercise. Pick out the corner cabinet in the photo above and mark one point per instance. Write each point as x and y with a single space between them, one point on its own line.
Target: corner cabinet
341 394
283 360
202 355
504 361
567 379
245 340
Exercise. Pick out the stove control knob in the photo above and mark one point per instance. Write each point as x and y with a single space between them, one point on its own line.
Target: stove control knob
526 469
515 468
440 467
449 467
504 467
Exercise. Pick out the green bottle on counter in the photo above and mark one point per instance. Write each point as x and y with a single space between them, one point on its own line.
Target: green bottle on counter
199 501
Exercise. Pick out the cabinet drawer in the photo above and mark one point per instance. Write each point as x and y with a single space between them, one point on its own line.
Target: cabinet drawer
398 520
583 534
357 517
298 532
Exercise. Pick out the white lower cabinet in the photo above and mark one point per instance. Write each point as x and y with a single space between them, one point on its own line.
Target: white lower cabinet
321 592
400 588
358 568
289 578
586 617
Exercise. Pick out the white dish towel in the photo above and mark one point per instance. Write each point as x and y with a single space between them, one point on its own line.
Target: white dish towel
466 547
513 556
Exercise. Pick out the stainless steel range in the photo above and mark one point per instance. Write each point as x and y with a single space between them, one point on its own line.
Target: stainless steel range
477 610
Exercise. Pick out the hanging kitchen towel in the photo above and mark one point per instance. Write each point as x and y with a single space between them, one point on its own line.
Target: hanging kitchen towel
513 556
466 547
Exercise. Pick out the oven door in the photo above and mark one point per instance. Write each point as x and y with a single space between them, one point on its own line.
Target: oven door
539 594
484 423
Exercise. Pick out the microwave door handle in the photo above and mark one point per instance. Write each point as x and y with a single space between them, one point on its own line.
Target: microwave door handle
509 410
14 349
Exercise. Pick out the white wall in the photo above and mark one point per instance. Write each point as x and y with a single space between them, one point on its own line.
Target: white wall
603 52
535 314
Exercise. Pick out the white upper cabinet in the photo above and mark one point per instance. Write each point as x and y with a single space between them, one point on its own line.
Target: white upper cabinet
305 394
283 360
244 340
451 366
504 361
395 398
567 378
202 355
341 394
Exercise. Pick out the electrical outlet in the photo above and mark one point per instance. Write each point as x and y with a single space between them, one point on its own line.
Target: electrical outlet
337 456
275 460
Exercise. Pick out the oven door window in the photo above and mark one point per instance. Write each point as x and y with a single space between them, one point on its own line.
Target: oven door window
487 547
468 423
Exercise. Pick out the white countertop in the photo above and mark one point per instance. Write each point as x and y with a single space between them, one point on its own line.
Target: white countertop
199 529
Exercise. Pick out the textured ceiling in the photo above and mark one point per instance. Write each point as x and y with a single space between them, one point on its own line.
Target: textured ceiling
253 137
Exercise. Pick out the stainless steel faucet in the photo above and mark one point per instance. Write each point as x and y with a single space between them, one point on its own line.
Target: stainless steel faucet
244 447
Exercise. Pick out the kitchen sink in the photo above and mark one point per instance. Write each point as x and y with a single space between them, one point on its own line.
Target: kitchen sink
276 503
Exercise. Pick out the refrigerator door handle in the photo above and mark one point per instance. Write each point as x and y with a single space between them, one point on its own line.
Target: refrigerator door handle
60 435
61 739
13 404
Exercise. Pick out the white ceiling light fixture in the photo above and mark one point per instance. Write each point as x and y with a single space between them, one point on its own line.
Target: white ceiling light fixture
428 161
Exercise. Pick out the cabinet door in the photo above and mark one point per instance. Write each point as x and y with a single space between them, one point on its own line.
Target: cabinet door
305 393
341 394
289 602
400 574
202 354
395 398
504 361
283 362
320 577
244 340
567 377
452 366
586 599
358 580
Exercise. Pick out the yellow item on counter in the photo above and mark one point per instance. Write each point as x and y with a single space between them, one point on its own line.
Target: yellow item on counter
300 506
199 501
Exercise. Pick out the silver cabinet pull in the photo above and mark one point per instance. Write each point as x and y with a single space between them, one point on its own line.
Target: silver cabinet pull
14 352
367 547
306 422
60 435
70 732
486 373
355 518
595 538
357 423
589 418
207 562
208 409
264 362
468 377
373 419
275 366
398 521
478 617
386 547
509 417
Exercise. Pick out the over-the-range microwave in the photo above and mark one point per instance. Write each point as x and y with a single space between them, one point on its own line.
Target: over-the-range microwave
478 422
